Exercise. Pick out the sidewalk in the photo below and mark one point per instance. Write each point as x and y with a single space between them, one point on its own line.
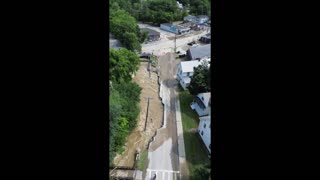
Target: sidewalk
184 172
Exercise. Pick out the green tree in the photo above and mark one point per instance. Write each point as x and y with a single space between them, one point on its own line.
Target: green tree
202 172
131 41
143 36
200 79
122 64
130 96
123 113
114 113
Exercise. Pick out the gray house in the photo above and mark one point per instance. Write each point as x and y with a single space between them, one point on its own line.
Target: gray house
202 19
174 28
202 104
152 34
190 18
199 52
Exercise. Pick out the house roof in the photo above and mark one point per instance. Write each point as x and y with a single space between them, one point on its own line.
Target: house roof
167 24
205 98
205 118
176 26
200 51
187 66
202 16
151 32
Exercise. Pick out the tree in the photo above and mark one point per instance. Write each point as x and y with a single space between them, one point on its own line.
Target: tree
130 96
143 36
131 41
200 7
123 113
114 113
122 64
200 79
202 172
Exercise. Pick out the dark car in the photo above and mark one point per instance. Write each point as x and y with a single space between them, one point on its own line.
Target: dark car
191 43
182 55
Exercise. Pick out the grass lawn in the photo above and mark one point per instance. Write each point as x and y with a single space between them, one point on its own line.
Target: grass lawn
195 151
143 160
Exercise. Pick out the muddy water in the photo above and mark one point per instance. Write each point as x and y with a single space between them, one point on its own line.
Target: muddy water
138 139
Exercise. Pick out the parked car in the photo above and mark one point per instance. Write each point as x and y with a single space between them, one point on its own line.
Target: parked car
182 55
191 43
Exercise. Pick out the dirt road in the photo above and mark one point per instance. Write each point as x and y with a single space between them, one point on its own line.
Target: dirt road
163 152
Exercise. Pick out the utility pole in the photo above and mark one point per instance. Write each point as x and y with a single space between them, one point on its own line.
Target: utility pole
145 125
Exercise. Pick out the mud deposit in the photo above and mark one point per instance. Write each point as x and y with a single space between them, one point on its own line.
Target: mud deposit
138 138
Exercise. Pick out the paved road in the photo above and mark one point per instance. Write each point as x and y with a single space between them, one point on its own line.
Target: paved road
163 153
164 45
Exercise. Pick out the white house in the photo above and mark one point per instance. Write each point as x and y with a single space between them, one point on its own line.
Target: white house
204 130
185 71
202 104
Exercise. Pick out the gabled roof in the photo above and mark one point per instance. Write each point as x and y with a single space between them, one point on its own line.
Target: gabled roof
187 66
205 98
205 118
200 51
175 26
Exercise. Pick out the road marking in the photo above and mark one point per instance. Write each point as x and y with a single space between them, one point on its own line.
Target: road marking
166 174
149 174
163 170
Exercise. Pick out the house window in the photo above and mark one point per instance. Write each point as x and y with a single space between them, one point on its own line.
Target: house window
204 126
210 146
201 133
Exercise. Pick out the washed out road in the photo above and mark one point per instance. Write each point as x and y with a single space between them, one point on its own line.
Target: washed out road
163 152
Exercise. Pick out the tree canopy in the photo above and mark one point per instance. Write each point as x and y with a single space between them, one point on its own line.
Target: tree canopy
125 28
123 112
200 81
203 172
154 11
122 64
